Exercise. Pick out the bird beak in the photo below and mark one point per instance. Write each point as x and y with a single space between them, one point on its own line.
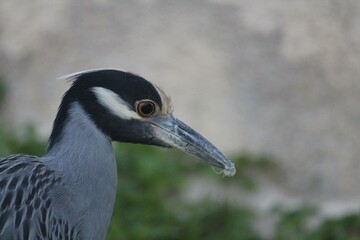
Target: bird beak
174 133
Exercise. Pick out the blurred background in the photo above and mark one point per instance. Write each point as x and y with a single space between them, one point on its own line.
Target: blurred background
274 84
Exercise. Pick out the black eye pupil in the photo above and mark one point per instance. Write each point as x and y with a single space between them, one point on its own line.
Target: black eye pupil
146 108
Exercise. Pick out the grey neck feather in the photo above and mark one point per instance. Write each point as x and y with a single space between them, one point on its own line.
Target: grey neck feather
84 157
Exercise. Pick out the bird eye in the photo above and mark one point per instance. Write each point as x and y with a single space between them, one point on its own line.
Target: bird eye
146 108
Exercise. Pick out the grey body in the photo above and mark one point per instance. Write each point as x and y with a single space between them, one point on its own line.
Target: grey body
59 198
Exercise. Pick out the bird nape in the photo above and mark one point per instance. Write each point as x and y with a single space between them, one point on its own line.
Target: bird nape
69 193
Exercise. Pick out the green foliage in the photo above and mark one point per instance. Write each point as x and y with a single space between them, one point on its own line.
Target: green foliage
25 142
144 178
293 224
148 205
347 228
149 183
213 221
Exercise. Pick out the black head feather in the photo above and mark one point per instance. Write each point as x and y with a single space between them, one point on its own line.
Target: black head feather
128 86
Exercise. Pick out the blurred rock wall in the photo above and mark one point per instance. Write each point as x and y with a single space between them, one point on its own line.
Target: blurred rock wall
279 77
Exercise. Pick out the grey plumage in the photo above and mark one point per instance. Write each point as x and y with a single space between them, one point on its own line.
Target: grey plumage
70 192
51 197
27 200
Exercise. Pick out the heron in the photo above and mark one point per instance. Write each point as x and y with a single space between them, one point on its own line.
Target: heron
69 193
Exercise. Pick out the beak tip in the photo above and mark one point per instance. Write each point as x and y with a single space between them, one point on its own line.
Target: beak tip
230 171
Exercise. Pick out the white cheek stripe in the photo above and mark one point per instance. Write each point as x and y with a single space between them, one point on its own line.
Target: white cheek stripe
114 103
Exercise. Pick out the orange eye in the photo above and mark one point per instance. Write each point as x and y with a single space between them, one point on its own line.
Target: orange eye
146 108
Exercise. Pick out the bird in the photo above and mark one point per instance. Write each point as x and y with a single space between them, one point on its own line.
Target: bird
69 193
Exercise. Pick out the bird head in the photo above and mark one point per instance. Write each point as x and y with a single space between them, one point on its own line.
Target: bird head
128 108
